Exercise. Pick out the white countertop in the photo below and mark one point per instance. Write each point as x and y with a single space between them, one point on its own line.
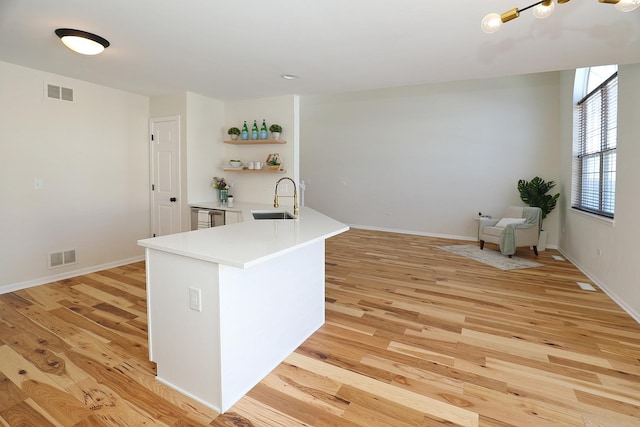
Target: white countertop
249 242
240 206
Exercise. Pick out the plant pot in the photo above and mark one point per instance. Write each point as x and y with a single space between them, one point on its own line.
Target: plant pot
275 135
234 137
542 241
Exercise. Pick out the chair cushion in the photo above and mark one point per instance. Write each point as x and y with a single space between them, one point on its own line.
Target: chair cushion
493 231
505 221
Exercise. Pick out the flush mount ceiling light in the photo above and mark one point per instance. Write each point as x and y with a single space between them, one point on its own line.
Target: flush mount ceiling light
81 41
289 76
541 9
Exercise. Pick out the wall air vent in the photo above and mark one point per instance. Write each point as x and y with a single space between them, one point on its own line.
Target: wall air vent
59 92
58 259
69 257
55 260
53 91
66 94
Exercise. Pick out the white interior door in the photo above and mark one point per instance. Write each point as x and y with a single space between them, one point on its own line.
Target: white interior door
165 176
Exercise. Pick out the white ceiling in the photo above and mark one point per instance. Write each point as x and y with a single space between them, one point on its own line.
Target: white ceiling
236 49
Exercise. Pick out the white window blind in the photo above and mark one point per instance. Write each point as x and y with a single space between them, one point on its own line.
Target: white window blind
594 168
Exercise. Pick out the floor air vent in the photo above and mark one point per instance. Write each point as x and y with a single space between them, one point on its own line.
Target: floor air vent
58 259
59 92
586 286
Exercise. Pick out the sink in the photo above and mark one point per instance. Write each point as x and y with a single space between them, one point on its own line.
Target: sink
272 215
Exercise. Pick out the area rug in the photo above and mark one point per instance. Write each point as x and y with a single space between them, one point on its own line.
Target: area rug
490 257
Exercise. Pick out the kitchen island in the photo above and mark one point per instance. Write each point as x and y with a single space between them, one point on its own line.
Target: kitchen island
227 304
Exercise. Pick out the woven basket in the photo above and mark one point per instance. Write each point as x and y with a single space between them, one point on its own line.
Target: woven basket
272 157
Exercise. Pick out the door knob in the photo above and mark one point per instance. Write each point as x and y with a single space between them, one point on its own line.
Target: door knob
173 199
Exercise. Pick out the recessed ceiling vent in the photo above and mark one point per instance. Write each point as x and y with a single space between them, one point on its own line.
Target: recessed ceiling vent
59 92
58 259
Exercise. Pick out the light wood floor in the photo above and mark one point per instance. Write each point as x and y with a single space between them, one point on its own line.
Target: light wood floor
414 336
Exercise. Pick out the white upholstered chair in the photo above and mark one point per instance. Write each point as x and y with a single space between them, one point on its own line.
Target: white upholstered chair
519 226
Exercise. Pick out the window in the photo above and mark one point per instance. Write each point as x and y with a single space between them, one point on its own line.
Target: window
594 151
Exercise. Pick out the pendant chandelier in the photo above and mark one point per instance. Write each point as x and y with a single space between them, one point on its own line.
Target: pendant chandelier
493 21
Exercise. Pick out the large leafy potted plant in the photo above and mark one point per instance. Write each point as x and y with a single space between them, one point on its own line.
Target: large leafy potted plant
534 193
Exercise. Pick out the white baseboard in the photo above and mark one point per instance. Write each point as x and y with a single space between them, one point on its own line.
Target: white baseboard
424 233
416 233
605 289
630 311
48 279
66 275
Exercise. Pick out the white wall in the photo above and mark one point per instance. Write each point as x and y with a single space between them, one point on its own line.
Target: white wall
616 269
428 158
92 158
421 159
259 187
205 118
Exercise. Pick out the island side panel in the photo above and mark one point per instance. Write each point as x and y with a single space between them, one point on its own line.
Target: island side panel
266 312
184 343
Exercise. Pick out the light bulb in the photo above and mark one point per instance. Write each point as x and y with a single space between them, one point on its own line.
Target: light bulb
82 45
491 23
627 5
542 11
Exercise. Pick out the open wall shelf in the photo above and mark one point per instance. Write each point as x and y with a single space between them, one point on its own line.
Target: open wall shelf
254 141
254 170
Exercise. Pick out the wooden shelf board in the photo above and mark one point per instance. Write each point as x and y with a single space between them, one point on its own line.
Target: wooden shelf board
254 141
255 170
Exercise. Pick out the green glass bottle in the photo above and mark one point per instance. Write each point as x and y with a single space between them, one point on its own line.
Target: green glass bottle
254 130
263 130
245 131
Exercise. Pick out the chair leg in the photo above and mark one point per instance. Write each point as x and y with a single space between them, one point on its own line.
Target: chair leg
535 250
481 244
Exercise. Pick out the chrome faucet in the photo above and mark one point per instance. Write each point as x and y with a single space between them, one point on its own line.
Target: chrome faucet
295 195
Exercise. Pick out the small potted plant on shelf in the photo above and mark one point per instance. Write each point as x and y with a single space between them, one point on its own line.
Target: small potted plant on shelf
234 132
275 130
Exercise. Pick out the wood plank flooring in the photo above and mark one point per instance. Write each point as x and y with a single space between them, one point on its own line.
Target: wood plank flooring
414 336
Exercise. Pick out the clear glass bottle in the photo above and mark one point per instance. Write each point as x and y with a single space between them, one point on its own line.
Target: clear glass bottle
245 131
264 133
254 130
